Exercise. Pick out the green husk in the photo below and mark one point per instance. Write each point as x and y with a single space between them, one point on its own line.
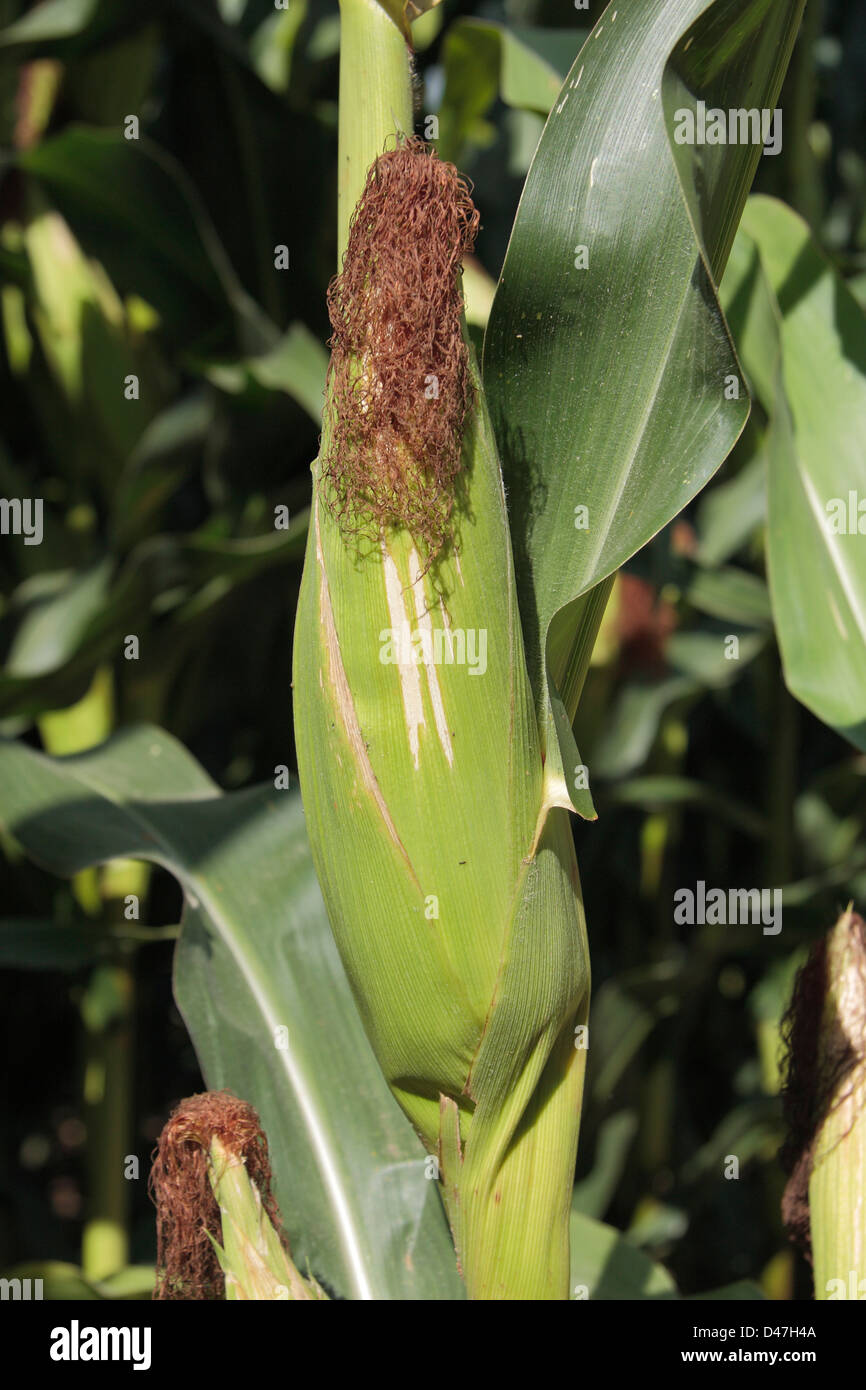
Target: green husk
254 1261
837 1185
444 855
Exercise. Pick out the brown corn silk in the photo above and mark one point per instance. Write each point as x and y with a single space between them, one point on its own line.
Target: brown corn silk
398 382
187 1213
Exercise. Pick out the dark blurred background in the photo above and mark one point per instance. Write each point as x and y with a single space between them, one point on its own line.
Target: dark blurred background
167 233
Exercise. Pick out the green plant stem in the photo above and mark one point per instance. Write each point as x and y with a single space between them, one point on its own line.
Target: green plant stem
804 178
782 778
375 99
108 1058
836 1201
508 1196
837 1185
107 1008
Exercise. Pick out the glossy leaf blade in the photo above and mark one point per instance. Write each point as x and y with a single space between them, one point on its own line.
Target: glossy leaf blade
614 387
260 984
817 470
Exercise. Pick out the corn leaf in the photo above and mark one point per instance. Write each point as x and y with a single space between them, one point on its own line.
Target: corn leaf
799 316
483 60
607 384
606 1265
123 197
260 985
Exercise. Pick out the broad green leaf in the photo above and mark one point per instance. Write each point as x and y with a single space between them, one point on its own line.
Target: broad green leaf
747 1130
37 944
112 79
67 626
633 722
830 813
85 344
557 48
213 558
134 1282
704 656
135 208
297 365
655 1223
33 943
732 594
259 982
730 512
272 46
167 450
592 1195
817 470
606 1265
752 318
478 291
624 1012
612 387
483 60
857 286
57 613
53 20
653 792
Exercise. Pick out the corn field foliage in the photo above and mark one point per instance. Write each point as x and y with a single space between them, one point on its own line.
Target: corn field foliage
493 939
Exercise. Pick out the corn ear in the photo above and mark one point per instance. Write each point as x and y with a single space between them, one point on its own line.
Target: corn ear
825 1102
444 855
837 1185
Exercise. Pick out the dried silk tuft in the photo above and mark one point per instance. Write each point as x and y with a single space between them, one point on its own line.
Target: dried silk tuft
187 1214
398 383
